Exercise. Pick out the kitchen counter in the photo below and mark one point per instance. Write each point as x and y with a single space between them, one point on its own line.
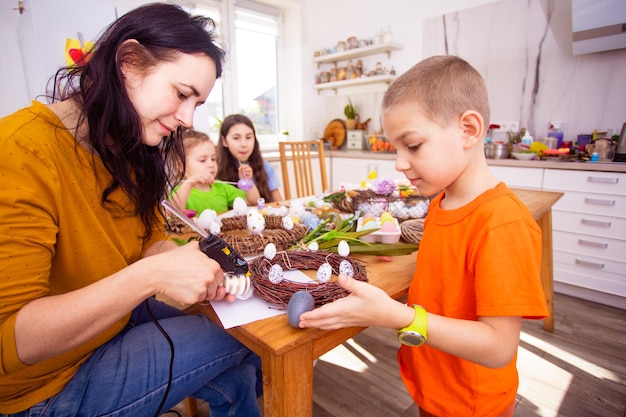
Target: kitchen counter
584 166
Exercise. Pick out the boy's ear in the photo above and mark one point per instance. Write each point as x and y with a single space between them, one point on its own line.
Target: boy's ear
473 127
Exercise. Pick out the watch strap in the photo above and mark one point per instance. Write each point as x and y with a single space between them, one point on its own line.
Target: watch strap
419 323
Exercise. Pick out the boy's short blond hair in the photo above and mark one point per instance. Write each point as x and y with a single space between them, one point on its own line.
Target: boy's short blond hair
444 87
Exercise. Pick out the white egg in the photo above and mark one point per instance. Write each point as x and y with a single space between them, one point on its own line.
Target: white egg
247 294
287 223
324 272
275 275
297 208
318 203
206 218
346 268
313 246
255 221
343 248
283 211
239 206
215 228
270 251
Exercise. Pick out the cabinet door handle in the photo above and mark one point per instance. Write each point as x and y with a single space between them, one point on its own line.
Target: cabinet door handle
597 223
589 264
599 202
603 180
594 244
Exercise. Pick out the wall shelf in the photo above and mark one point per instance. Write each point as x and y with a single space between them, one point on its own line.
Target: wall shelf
387 47
334 85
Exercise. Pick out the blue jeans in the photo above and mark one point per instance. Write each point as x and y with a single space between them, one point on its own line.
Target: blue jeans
128 376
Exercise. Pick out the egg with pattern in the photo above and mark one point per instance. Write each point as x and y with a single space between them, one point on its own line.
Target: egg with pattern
346 268
255 221
324 273
275 274
287 223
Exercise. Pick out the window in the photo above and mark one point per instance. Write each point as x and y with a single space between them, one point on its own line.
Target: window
249 84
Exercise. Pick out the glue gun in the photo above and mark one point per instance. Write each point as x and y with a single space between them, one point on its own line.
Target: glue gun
213 246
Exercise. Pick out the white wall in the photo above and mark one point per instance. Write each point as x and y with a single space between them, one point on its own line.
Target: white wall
327 21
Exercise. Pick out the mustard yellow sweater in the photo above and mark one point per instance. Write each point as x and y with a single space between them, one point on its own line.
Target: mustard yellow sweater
55 237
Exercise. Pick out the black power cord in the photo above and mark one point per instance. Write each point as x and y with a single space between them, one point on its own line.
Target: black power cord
171 370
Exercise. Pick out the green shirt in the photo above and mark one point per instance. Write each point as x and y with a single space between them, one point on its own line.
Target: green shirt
220 198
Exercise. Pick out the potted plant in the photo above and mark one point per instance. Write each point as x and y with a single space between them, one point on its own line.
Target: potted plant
350 112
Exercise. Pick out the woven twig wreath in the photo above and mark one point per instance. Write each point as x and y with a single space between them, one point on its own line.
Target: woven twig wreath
280 293
235 233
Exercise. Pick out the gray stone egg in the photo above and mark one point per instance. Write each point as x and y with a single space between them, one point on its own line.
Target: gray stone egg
299 303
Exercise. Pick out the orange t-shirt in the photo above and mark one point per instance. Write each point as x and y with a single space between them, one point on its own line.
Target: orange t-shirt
482 259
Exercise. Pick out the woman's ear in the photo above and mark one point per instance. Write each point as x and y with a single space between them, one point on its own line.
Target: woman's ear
473 127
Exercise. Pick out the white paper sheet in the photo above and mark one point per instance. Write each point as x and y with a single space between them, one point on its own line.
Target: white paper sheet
254 308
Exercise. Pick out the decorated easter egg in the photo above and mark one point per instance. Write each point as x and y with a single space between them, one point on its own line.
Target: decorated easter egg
245 184
287 222
239 206
237 284
388 227
297 208
255 221
324 273
346 268
300 302
275 275
343 248
270 251
386 217
313 246
207 217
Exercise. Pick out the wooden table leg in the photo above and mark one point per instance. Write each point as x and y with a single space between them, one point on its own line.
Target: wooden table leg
288 383
547 277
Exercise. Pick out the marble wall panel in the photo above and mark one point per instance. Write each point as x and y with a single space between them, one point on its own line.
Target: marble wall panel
524 52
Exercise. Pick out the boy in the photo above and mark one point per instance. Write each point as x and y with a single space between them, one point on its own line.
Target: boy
477 270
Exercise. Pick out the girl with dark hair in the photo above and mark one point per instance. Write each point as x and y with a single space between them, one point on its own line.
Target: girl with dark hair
239 156
83 249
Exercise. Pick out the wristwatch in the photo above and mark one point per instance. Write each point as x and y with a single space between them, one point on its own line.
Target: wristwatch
415 333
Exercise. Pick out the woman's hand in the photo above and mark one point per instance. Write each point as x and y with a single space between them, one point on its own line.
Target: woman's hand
187 275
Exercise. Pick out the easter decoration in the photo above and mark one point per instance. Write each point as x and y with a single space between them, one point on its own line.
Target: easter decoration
269 284
250 230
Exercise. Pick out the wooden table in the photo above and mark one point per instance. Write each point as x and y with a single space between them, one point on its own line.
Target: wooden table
287 353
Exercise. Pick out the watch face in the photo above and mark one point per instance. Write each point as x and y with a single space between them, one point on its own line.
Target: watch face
411 338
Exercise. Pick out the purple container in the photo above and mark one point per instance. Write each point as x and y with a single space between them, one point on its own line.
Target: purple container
558 134
583 140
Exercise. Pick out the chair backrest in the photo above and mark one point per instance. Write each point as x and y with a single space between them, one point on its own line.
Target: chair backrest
302 172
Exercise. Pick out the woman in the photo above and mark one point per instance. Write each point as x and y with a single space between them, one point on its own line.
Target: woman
239 155
83 251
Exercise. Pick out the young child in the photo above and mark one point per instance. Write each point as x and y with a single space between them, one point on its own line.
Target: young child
238 154
199 190
478 268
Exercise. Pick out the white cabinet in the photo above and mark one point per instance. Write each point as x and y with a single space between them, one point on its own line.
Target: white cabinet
349 172
516 177
589 234
344 56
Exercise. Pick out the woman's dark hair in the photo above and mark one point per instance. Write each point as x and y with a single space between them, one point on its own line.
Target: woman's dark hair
162 32
228 164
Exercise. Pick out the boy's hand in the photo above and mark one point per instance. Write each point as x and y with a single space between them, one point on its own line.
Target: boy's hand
367 305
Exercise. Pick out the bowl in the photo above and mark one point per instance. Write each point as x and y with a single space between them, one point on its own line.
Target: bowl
497 150
524 156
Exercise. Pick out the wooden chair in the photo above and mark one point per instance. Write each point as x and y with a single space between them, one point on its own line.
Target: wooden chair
302 155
